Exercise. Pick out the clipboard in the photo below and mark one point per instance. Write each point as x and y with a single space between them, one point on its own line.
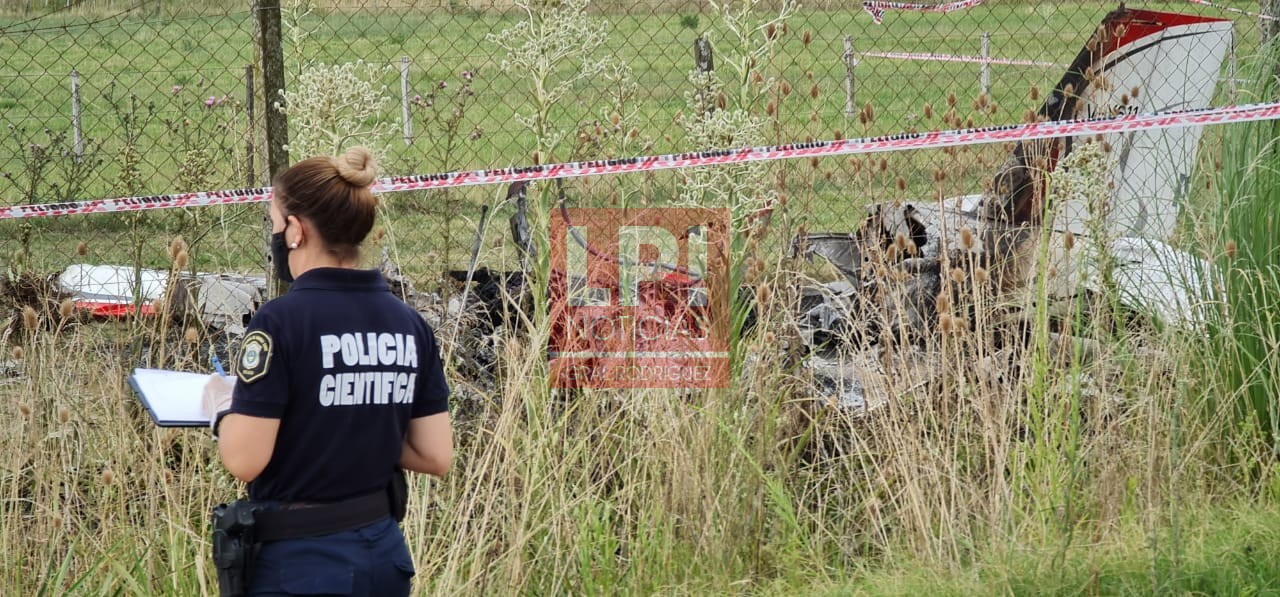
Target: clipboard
172 398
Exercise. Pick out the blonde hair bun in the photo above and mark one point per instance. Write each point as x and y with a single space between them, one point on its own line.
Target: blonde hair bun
357 166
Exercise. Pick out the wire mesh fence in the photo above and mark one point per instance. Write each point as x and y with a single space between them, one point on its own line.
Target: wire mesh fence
101 99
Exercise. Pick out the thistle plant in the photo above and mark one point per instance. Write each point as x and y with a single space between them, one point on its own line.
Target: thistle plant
1080 203
750 40
130 181
553 48
203 131
49 170
442 110
331 107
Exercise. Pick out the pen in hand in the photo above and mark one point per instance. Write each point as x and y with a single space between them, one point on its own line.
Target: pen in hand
217 364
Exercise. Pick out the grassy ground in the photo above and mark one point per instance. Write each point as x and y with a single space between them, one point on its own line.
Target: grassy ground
1136 461
205 52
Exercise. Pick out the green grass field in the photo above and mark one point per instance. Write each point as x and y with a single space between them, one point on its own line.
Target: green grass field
146 55
1145 465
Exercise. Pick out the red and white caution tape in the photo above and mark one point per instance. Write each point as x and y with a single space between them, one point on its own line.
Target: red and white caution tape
899 142
955 58
1236 10
876 8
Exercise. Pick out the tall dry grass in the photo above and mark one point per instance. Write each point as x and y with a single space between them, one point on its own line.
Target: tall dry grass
992 433
1024 422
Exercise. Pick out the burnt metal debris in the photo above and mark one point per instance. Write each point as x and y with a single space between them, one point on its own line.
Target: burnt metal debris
889 273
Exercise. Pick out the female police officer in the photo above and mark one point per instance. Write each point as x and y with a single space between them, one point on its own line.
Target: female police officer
339 383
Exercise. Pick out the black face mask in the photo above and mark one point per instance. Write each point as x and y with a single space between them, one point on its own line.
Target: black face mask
280 256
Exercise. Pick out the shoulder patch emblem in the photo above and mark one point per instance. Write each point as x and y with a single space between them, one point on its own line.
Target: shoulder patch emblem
255 356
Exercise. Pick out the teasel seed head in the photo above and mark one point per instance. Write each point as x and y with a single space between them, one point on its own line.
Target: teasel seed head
82 249
771 109
807 37
928 111
64 414
946 323
191 336
764 294
884 165
957 275
108 476
902 184
722 101
786 89
29 318
980 275
838 135
180 262
1134 92
177 245
756 77
1035 93
951 100
66 308
814 163
942 302
966 238
1068 240
900 241
1231 249
771 32
17 353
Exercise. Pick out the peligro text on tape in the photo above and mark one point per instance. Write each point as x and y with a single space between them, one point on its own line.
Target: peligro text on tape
898 142
876 8
955 58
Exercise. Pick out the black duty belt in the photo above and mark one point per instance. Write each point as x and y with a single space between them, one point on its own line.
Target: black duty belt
295 521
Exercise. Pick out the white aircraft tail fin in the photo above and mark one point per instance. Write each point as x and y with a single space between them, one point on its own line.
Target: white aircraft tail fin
1137 61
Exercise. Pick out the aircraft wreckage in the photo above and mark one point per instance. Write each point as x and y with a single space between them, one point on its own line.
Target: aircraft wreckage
893 267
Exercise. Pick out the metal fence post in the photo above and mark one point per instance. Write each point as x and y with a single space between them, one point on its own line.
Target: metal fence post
1231 72
404 100
850 85
985 78
77 130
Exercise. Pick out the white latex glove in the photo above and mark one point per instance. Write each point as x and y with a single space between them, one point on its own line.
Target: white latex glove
216 397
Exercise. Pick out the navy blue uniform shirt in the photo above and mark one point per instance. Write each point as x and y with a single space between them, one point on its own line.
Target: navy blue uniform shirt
344 364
